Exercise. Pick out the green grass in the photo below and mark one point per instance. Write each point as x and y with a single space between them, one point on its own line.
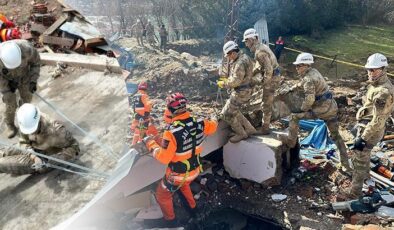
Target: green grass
351 43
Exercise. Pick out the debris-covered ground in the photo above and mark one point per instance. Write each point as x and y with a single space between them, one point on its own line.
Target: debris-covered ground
308 189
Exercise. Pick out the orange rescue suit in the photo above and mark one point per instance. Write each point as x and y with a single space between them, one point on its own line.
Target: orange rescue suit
142 124
180 150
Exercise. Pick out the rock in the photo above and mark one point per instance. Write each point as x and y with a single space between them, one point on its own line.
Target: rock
306 192
278 197
188 56
195 187
212 185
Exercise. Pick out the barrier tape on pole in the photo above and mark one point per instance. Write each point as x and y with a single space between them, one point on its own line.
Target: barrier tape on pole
330 59
94 138
90 171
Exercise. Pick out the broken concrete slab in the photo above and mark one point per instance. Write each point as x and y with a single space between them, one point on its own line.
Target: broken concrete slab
257 158
100 63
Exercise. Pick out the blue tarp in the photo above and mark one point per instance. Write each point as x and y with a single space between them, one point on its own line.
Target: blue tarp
318 138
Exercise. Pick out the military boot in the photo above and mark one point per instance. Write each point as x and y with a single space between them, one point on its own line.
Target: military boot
264 130
240 133
11 131
250 130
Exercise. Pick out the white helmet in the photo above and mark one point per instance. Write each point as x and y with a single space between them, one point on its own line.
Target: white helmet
230 45
304 58
28 117
376 61
10 54
250 33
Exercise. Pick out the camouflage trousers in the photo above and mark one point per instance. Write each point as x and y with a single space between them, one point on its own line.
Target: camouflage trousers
361 165
232 108
15 161
140 40
151 39
18 162
267 102
327 112
11 104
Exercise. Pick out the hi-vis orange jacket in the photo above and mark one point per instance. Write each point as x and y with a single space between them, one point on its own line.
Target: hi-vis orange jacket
181 147
167 116
141 105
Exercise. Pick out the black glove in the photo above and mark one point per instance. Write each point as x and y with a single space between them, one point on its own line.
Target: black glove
13 86
33 87
359 144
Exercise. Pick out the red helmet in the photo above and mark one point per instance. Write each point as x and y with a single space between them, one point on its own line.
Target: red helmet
16 33
143 86
176 103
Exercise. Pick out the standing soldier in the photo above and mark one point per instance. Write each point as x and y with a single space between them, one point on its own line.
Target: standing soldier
150 33
42 135
20 69
142 106
377 108
163 38
318 103
267 66
180 150
241 73
138 31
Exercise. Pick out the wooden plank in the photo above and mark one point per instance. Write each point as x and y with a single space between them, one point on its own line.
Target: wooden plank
95 42
66 42
57 24
100 63
47 48
39 28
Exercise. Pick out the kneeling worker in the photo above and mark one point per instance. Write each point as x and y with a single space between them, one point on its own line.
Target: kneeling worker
42 135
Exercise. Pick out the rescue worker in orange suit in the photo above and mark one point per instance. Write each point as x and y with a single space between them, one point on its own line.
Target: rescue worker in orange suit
142 124
7 34
180 150
5 22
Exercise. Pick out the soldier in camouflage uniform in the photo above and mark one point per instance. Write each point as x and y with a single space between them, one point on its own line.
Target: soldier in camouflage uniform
42 135
20 69
241 67
138 31
318 103
372 116
150 33
266 65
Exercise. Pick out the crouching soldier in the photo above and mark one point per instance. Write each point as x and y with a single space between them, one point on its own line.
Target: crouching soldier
42 135
318 103
180 150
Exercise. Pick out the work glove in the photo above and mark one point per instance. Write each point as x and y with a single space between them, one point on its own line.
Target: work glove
221 84
147 139
33 87
40 164
359 144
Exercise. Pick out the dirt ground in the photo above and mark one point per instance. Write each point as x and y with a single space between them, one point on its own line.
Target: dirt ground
98 104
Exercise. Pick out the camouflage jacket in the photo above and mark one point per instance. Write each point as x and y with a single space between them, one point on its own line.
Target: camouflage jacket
265 62
241 72
51 138
376 109
137 29
150 30
27 72
313 84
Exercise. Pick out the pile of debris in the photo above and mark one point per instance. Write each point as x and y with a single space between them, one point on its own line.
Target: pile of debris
67 31
193 76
